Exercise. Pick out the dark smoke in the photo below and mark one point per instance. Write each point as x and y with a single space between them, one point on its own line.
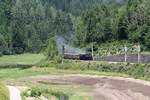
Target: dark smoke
68 48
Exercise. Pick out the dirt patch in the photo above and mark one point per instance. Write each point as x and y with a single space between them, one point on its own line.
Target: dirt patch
104 88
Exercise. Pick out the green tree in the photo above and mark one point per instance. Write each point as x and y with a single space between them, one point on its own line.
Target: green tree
3 44
52 50
135 19
80 33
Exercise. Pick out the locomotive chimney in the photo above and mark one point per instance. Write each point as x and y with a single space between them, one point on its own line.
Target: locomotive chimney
63 49
63 52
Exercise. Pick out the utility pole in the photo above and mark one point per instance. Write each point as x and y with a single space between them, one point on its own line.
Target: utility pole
92 51
139 50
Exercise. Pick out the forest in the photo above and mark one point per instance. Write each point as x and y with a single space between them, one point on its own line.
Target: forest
32 25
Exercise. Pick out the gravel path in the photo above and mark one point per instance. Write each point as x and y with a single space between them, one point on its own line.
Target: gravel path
104 88
14 93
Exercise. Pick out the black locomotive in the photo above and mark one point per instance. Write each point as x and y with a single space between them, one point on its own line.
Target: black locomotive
78 56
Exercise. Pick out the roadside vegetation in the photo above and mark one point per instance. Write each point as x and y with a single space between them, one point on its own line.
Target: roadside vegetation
55 92
141 71
4 93
37 92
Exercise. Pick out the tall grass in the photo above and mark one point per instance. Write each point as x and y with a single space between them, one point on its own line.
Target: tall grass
4 93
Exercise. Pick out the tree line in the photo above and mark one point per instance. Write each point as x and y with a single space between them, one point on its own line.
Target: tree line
30 25
27 25
107 23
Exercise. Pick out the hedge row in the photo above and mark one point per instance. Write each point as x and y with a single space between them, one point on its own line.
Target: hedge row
134 70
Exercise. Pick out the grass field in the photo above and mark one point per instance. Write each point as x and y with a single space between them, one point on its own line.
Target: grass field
46 68
24 59
20 77
19 73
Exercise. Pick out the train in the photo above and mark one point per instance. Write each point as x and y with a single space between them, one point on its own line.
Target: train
75 56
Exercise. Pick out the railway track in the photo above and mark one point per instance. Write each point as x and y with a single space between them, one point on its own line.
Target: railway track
131 58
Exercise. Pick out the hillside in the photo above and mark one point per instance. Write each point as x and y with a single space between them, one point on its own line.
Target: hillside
34 25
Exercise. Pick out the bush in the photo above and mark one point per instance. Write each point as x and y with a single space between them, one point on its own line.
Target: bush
37 92
1 54
7 52
115 48
18 50
58 59
137 70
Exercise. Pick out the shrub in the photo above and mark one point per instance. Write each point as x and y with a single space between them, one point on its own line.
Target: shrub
7 52
114 48
1 54
58 59
35 92
38 91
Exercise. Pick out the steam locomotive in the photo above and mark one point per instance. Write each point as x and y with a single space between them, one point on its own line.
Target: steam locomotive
74 56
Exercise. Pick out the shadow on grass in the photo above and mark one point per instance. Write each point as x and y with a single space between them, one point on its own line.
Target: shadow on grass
20 66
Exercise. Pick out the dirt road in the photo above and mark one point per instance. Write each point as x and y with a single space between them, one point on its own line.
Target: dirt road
104 88
14 93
